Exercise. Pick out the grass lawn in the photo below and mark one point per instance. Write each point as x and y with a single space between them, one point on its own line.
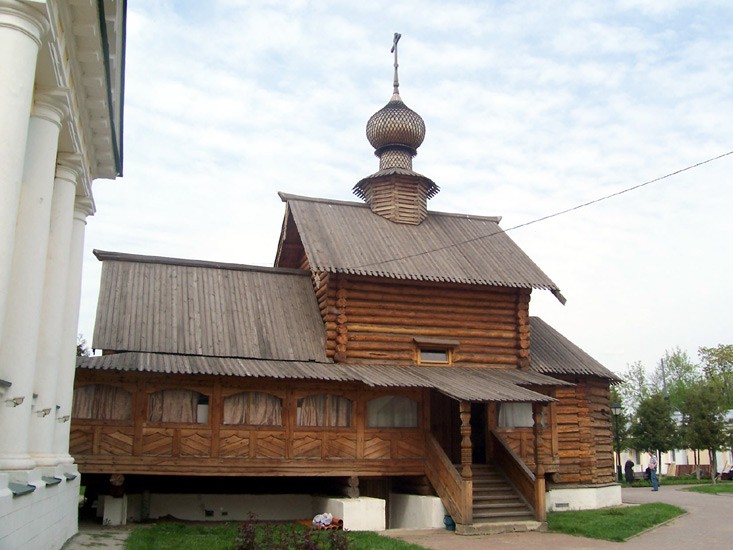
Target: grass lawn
173 536
718 488
614 524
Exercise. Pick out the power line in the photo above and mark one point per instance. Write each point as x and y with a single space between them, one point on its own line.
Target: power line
553 215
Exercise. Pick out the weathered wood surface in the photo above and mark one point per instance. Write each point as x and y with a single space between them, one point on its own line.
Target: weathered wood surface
254 467
402 199
584 432
521 476
206 446
521 442
198 308
455 492
372 320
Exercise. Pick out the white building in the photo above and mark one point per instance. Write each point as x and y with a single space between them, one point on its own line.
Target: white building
61 90
679 462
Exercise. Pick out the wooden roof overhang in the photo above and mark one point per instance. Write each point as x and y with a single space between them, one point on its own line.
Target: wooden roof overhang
461 383
346 237
197 308
553 354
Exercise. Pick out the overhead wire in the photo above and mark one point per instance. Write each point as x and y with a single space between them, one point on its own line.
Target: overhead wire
553 215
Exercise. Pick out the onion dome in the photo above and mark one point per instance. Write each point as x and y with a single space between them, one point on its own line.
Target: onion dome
395 192
395 126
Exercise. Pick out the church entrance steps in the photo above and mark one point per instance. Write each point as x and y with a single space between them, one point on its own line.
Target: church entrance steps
496 500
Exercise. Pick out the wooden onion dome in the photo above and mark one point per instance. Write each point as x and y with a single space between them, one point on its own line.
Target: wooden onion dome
396 192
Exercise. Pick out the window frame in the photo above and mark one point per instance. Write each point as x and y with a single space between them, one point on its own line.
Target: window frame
414 402
329 398
434 345
163 423
281 404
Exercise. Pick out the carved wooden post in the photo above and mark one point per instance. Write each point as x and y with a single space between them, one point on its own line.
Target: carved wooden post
539 488
466 451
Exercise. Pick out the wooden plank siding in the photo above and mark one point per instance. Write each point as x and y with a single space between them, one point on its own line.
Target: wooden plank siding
212 448
164 305
376 320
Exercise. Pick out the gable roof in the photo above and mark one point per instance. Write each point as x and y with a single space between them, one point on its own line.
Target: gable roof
347 237
170 305
552 353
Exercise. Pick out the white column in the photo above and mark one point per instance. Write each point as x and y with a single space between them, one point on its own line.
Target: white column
21 31
65 386
19 340
49 358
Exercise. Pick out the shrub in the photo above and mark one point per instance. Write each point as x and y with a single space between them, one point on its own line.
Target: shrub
258 535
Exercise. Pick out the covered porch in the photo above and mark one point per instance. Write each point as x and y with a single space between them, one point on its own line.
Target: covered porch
375 422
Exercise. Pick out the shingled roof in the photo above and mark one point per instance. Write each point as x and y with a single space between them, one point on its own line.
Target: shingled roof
552 353
170 305
347 237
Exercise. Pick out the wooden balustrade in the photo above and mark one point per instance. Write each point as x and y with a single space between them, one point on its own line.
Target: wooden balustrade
159 448
530 486
455 492
521 442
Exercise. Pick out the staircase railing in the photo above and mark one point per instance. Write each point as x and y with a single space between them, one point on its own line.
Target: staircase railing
455 492
529 486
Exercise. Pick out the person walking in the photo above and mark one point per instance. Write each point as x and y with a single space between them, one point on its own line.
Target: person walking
653 470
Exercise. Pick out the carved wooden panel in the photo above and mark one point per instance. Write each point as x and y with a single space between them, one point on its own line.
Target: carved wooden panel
234 443
158 441
195 442
116 441
376 447
307 445
81 440
409 445
341 446
269 445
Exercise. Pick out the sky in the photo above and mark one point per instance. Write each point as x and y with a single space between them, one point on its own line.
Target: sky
531 108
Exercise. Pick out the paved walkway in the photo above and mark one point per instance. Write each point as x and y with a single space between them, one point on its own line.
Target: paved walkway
708 524
92 536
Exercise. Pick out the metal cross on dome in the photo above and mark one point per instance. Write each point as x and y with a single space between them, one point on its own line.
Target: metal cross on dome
396 39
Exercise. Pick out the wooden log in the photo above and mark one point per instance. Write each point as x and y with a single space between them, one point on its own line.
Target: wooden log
428 331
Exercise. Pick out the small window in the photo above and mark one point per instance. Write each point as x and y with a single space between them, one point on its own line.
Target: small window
434 351
253 408
434 355
515 415
392 411
179 406
324 411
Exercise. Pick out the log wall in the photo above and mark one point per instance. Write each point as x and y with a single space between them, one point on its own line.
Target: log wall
584 432
370 320
212 448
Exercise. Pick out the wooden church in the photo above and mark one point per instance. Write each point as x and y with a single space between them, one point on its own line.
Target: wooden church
390 350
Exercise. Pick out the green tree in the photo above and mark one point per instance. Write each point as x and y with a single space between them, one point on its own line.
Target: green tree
654 428
703 420
717 364
635 386
673 374
619 428
624 420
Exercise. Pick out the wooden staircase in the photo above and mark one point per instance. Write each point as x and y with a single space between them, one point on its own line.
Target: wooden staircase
495 499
